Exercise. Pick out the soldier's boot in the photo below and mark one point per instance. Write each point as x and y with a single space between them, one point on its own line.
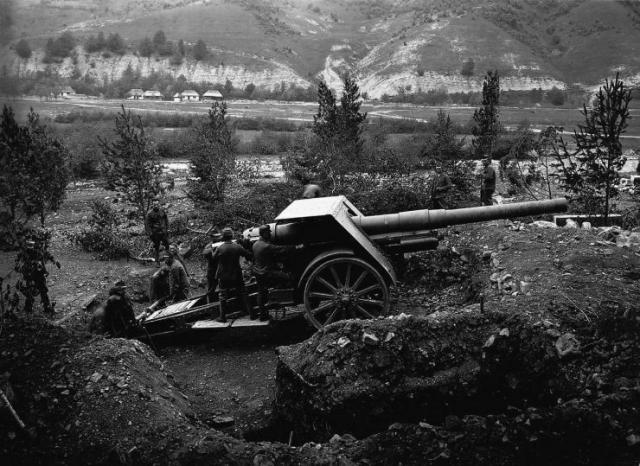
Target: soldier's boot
249 309
263 298
28 303
222 305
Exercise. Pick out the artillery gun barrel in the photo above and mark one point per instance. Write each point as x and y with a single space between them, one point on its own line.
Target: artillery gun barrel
416 220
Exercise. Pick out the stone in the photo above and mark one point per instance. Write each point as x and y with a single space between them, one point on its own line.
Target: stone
632 440
95 377
343 341
567 344
571 223
221 421
369 338
586 225
544 224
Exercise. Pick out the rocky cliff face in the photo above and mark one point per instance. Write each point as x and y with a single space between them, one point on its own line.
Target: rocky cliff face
262 74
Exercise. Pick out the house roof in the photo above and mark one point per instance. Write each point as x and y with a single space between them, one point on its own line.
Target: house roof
212 94
177 94
190 92
135 92
153 93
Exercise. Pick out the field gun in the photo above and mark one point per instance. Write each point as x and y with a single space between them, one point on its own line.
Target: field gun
343 271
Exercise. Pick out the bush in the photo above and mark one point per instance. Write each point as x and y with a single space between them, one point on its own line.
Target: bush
556 96
103 237
23 49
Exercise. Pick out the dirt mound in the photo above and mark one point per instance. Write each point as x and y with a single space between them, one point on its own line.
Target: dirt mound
499 387
97 401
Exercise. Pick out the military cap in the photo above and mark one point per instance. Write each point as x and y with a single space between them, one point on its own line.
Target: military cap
120 284
264 228
227 233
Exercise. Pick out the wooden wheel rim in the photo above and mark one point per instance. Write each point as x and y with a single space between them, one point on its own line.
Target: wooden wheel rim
343 288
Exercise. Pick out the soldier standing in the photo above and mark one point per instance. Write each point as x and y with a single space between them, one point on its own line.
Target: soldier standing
212 266
31 264
178 280
488 183
265 268
229 273
441 189
119 319
157 226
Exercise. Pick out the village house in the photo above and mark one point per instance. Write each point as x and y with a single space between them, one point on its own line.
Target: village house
176 97
153 95
67 92
135 94
211 96
189 96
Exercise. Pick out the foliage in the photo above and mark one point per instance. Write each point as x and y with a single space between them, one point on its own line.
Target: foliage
34 171
486 121
556 96
23 49
131 165
145 47
116 44
59 48
336 151
213 155
95 43
590 173
468 68
443 145
200 51
103 236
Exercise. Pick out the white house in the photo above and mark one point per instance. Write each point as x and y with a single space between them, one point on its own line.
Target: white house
67 92
135 94
176 97
190 96
152 95
211 96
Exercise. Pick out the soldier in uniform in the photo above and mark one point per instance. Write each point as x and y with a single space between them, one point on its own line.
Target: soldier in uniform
119 319
31 263
156 226
488 183
265 269
212 265
229 273
159 286
441 189
178 280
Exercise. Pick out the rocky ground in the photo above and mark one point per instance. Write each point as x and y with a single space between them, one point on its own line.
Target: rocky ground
511 344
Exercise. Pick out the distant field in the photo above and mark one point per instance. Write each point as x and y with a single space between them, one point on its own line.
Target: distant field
510 117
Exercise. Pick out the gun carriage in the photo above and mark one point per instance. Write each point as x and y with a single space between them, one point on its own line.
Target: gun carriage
343 270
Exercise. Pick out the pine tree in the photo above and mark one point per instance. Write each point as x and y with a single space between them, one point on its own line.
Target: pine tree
590 173
200 51
213 158
131 165
487 126
145 48
325 122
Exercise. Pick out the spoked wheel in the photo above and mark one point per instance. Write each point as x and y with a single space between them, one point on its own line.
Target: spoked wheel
344 288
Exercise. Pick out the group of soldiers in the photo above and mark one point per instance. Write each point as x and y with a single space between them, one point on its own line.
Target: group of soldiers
443 187
224 274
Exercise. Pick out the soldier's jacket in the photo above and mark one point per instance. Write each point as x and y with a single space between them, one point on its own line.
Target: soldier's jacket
228 257
178 280
265 255
118 316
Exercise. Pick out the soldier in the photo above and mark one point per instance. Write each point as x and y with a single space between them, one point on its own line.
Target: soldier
175 253
311 190
31 263
229 273
488 183
265 268
441 189
156 226
119 319
212 265
159 286
178 280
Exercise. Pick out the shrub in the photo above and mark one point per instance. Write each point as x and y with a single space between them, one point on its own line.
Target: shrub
103 237
23 49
